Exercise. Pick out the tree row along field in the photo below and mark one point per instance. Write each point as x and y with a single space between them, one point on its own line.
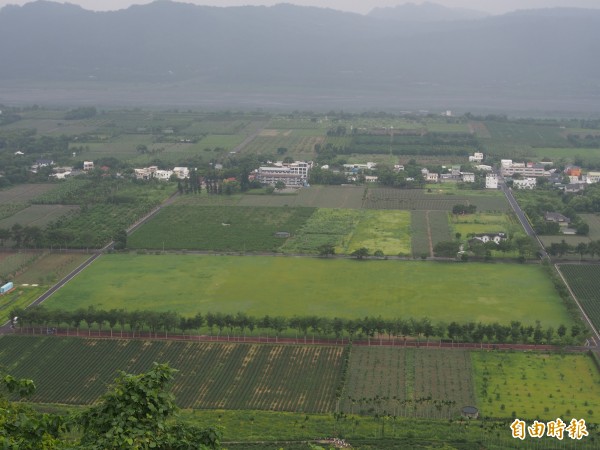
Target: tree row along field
260 285
399 382
584 281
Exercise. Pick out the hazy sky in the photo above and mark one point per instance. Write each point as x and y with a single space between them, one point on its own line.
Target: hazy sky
359 6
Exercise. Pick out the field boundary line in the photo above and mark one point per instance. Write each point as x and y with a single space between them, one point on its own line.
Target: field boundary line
577 302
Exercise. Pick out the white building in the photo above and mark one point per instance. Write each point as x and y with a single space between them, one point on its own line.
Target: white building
526 183
432 177
592 177
468 177
509 168
477 157
88 165
181 172
491 181
163 175
292 174
484 167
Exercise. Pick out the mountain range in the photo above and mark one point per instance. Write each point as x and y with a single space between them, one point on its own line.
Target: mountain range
177 52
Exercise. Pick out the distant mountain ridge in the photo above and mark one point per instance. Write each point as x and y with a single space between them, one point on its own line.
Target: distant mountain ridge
289 48
426 12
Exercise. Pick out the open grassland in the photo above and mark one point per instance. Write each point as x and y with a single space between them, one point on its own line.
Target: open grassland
315 196
305 286
388 231
530 134
483 223
219 228
211 375
408 382
21 297
570 239
585 156
24 192
584 281
418 199
38 215
50 267
298 144
593 220
535 385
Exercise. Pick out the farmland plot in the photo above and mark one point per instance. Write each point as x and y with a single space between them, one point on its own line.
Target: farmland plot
421 244
388 231
211 375
418 199
219 228
50 267
24 192
260 285
536 385
38 215
8 209
583 279
314 196
408 382
593 220
325 226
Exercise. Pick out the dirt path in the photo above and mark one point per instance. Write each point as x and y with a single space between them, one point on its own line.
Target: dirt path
429 234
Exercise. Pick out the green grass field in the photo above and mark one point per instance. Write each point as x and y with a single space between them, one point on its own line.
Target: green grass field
482 223
305 286
219 228
388 231
537 385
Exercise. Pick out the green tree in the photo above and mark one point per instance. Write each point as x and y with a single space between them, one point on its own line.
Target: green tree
120 239
326 250
360 253
280 185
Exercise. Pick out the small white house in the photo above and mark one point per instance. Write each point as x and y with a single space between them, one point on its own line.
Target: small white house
491 181
432 177
88 165
477 157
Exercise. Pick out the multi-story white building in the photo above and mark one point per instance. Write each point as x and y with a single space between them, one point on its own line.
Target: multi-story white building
293 174
510 168
525 183
491 181
88 165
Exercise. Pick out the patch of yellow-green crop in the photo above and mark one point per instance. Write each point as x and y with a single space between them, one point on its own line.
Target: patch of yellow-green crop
385 230
531 385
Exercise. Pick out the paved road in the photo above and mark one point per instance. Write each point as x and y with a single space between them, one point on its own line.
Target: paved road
521 216
6 328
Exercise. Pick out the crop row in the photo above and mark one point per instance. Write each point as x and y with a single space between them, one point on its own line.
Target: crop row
408 382
584 281
219 228
211 375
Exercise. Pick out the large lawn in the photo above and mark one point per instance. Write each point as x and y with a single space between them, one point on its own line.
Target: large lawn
302 286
